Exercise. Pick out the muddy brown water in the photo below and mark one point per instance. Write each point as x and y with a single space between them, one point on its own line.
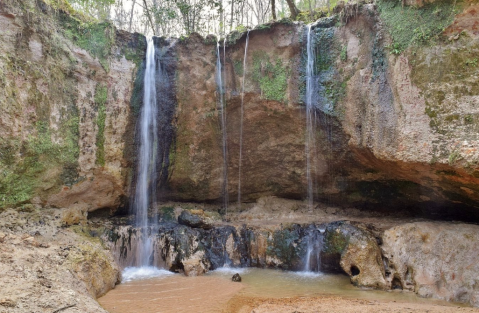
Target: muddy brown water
211 292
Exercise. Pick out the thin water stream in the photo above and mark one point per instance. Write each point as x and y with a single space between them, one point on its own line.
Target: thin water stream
310 147
221 93
241 120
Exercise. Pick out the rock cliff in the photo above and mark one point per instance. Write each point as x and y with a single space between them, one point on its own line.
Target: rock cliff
66 88
395 107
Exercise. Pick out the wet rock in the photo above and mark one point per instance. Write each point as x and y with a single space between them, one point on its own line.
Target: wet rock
434 259
236 278
193 220
196 264
356 251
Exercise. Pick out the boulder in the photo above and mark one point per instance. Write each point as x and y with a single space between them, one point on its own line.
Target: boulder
434 259
187 218
196 264
357 252
236 278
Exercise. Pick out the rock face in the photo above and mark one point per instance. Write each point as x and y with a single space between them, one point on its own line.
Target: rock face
438 260
195 251
395 129
46 267
194 220
65 107
358 254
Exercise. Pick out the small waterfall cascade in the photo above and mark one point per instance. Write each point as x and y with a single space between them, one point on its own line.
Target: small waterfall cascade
221 93
310 146
241 119
314 245
147 158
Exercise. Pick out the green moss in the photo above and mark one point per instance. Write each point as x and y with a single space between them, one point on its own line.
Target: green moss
272 78
136 100
97 38
233 37
167 213
238 66
282 245
23 164
327 50
135 53
335 241
344 53
101 94
415 26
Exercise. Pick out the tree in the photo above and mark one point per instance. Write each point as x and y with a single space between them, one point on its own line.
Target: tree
273 9
293 9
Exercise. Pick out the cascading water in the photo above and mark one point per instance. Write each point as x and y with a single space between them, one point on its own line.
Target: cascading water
147 158
310 146
221 92
314 245
241 120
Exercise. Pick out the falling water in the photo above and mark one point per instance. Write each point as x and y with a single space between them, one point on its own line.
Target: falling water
221 92
310 117
147 157
241 120
314 244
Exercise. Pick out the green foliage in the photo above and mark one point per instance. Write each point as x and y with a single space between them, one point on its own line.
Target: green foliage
94 8
101 94
241 28
415 26
97 38
233 37
309 17
272 78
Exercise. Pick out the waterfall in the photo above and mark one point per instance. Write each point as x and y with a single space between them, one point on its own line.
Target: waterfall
146 171
310 146
221 92
314 245
241 120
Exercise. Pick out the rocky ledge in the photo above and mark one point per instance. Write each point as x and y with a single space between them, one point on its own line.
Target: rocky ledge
45 267
432 259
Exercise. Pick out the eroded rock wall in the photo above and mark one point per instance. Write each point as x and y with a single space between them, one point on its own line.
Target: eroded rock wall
434 260
65 103
395 126
395 121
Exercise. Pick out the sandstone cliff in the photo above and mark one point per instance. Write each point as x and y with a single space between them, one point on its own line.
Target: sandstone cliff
65 106
395 122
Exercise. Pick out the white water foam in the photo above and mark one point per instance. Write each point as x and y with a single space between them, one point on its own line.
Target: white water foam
144 272
308 274
231 270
